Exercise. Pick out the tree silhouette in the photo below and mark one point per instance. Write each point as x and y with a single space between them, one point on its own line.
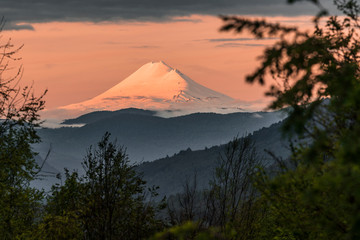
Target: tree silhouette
19 115
108 202
319 72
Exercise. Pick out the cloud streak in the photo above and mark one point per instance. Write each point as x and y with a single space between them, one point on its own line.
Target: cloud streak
37 11
145 46
227 45
238 39
17 27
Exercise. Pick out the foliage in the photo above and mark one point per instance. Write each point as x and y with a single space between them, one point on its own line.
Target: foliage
319 72
19 203
186 206
108 202
229 208
58 227
232 184
190 230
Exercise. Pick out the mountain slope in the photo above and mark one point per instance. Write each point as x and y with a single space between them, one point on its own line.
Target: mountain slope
170 173
157 86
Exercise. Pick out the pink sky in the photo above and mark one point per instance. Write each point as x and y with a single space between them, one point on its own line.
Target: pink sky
77 61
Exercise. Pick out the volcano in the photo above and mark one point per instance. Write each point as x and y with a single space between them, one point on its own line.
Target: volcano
157 86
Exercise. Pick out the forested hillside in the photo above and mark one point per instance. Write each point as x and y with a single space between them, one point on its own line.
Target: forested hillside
155 136
171 172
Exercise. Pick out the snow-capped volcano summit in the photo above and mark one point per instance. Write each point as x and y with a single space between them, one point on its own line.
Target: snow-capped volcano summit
157 86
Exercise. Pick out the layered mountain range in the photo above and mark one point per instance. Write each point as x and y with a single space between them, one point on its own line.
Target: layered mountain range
154 113
148 137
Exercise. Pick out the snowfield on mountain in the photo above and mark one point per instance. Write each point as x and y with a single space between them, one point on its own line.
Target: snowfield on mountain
157 86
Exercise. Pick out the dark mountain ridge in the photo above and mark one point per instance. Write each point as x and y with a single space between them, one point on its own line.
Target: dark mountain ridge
170 173
147 137
101 115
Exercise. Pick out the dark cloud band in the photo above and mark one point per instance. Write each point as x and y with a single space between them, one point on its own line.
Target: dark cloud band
34 11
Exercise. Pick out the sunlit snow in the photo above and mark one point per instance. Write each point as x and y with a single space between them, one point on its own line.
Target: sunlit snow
157 86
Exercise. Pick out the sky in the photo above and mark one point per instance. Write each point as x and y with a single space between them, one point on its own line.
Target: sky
79 49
